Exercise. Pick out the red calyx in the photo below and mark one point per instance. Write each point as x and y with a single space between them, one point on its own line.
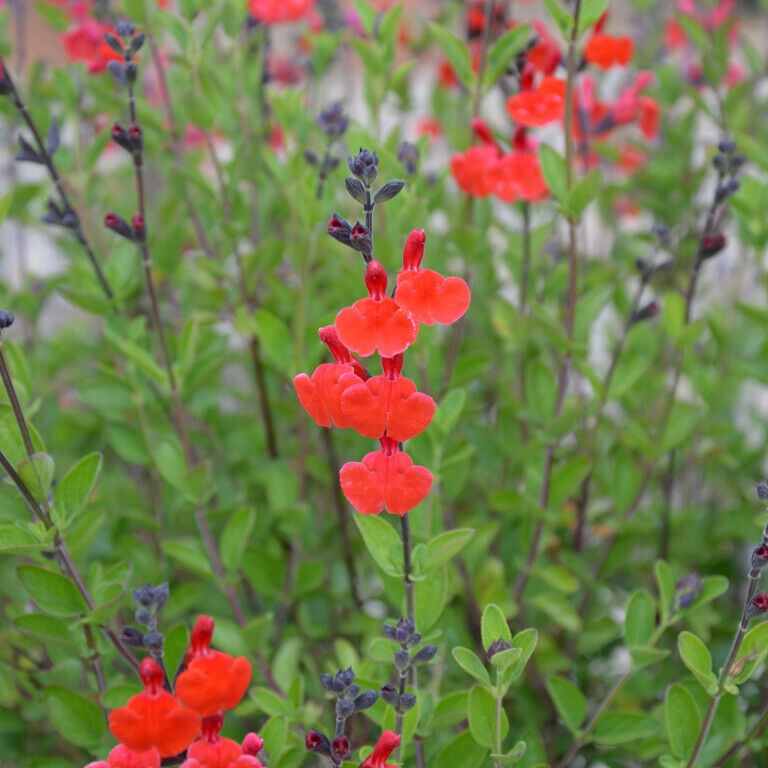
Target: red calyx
200 640
413 251
392 366
376 280
760 602
388 446
482 131
340 748
330 338
151 675
210 728
252 744
762 552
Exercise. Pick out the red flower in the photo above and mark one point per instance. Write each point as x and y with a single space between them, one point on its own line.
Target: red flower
471 170
376 324
214 751
85 42
153 718
518 176
385 480
426 294
122 757
388 404
385 746
545 54
277 11
539 107
212 681
605 51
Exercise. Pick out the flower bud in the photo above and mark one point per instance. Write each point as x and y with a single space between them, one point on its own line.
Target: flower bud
118 225
389 190
132 636
332 121
139 227
317 741
136 137
391 633
360 240
340 229
125 28
688 589
402 660
408 155
757 606
346 676
365 700
340 749
153 642
364 166
406 701
6 319
344 708
6 85
497 646
356 190
712 245
762 491
651 309
760 556
425 655
388 694
120 137
252 744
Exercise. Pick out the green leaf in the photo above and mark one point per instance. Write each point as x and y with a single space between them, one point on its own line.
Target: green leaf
494 626
513 756
569 702
235 538
74 489
698 659
37 473
621 727
383 542
445 546
77 719
482 717
683 720
583 192
449 411
503 52
751 654
456 52
526 641
15 539
472 665
52 592
48 628
591 11
559 15
460 752
640 620
553 169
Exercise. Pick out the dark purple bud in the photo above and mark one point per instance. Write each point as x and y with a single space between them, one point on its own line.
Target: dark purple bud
758 605
727 146
344 708
132 636
340 749
6 319
117 70
688 589
125 28
139 227
425 655
332 120
311 157
388 694
119 225
136 45
390 632
6 85
365 700
120 137
712 245
408 155
316 741
413 640
355 189
153 642
346 676
327 681
402 660
28 154
406 702
136 137
131 72
114 43
388 191
497 646
651 309
762 491
360 240
340 229
364 165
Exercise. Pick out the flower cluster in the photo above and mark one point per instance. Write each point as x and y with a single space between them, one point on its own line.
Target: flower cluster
386 407
182 720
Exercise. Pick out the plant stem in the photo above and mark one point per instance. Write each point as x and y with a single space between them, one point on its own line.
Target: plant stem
752 580
405 526
67 208
570 316
525 270
760 725
478 92
497 728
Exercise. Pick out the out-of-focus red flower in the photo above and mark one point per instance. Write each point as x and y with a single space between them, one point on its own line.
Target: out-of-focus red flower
122 757
279 11
426 294
385 746
674 35
388 404
385 480
517 176
214 751
605 51
212 681
376 324
631 158
545 54
429 126
85 42
447 75
539 107
153 719
471 169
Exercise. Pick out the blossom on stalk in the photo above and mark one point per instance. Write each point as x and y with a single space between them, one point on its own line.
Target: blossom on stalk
154 719
538 106
212 680
388 742
279 11
215 751
122 757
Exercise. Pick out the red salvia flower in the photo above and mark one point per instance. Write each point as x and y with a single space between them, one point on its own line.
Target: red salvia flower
153 719
385 746
539 107
605 51
214 751
385 480
122 757
427 295
545 54
212 681
388 404
278 11
376 324
518 176
471 168
85 42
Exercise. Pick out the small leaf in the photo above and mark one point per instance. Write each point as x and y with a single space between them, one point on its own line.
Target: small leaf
37 473
481 711
553 169
569 702
456 52
235 538
383 542
591 11
77 719
640 620
621 727
526 641
559 15
74 489
504 51
494 626
683 720
52 592
666 587
449 410
445 546
751 654
472 665
698 659
583 192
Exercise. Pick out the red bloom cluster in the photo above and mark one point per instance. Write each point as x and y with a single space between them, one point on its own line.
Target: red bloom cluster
386 407
487 170
157 723
279 11
84 41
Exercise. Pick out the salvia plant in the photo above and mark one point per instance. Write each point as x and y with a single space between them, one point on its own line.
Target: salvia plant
508 515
